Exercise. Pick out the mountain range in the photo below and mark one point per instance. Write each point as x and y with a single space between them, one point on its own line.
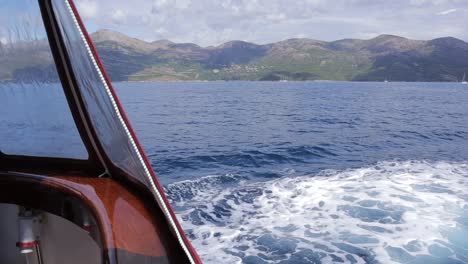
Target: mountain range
385 57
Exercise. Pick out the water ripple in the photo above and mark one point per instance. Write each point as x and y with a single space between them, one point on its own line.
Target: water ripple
364 215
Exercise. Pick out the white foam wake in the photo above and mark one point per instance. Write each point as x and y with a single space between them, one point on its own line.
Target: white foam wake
393 212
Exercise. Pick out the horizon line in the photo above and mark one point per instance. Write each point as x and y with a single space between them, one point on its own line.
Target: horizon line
261 44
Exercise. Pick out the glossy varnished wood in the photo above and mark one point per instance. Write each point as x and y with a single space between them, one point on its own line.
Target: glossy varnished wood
128 224
131 228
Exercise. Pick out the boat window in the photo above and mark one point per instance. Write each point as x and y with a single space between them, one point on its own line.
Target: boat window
35 119
105 116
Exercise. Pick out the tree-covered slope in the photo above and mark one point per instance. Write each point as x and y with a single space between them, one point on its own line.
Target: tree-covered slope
385 57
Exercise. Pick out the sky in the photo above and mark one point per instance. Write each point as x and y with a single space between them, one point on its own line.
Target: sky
213 22
20 12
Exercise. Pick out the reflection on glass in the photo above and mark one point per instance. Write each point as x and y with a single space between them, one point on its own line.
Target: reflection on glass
35 119
104 117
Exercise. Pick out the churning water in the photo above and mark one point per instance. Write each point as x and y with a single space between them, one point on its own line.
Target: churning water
311 172
315 172
410 211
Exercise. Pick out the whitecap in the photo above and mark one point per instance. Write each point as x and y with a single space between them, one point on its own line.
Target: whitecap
393 212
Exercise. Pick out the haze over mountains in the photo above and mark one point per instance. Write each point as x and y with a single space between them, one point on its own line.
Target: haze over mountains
385 57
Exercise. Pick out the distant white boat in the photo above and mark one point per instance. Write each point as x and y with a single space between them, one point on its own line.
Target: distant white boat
464 79
386 81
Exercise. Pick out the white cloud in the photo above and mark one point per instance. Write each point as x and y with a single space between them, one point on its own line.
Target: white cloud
434 2
446 12
276 17
211 22
87 8
119 16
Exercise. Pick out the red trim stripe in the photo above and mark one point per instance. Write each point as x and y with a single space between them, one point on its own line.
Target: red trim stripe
132 132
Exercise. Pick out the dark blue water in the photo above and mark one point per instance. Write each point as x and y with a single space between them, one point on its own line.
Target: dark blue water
318 172
311 172
259 130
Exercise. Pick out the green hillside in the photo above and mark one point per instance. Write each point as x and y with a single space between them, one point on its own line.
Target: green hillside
385 57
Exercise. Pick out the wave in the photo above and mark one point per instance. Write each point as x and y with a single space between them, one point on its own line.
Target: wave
253 158
267 163
392 212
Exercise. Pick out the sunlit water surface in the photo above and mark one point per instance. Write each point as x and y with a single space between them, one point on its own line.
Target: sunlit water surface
312 172
319 172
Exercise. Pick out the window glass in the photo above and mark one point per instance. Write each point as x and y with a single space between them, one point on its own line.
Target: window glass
35 119
99 103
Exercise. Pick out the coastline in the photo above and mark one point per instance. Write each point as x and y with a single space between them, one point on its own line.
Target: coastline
258 81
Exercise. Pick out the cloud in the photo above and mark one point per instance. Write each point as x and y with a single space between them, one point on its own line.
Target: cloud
446 12
88 8
119 16
212 22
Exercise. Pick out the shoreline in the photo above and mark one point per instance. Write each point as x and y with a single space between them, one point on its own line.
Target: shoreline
309 81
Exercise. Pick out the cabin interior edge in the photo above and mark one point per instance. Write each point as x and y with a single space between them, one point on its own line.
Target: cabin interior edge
84 199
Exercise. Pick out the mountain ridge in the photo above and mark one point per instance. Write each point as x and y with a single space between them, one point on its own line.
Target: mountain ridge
385 57
376 59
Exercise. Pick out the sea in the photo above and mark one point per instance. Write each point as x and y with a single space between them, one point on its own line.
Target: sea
289 172
311 172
